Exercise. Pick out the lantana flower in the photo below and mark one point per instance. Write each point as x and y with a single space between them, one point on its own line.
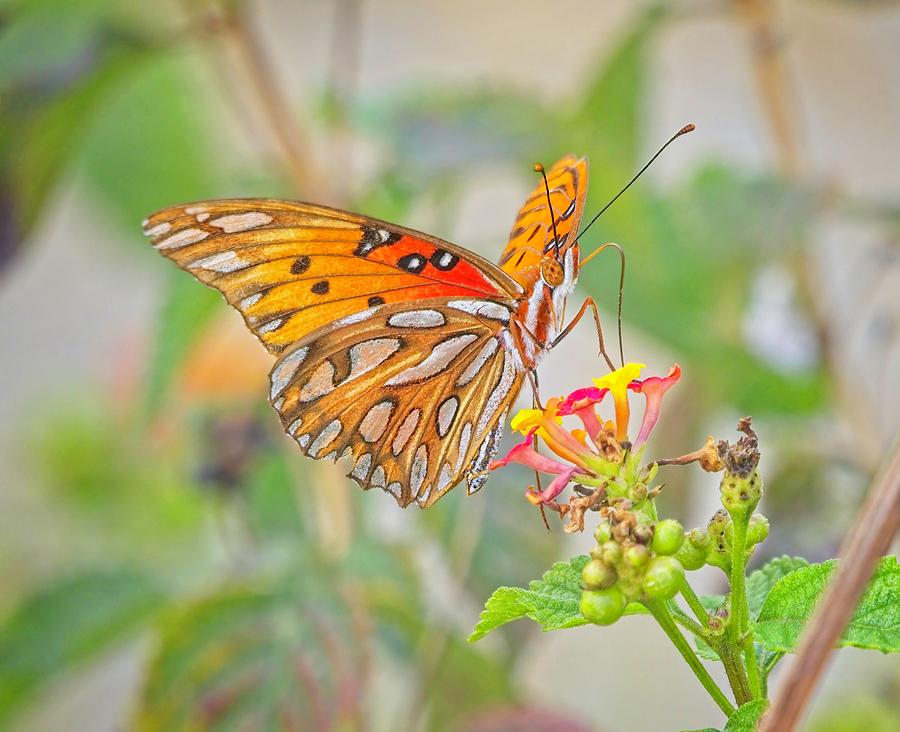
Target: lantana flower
595 451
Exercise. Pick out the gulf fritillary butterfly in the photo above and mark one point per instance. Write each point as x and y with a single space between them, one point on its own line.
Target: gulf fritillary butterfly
394 348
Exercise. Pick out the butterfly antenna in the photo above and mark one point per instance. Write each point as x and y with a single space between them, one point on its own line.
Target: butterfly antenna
538 168
683 131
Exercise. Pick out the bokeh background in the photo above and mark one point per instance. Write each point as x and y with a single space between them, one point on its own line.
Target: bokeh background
169 561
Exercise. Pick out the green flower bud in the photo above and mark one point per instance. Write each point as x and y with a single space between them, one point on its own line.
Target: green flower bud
758 529
740 494
598 575
611 553
603 607
603 532
690 556
663 578
717 524
668 537
698 538
642 533
637 555
638 492
716 625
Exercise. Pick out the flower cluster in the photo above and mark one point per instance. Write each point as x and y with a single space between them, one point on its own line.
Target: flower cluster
599 453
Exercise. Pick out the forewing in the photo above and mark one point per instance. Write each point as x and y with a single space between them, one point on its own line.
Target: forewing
416 396
291 268
532 232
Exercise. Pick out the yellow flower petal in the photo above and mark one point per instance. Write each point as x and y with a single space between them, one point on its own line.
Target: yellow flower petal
618 380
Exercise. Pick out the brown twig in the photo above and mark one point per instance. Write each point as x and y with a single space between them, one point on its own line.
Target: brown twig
298 158
772 80
870 538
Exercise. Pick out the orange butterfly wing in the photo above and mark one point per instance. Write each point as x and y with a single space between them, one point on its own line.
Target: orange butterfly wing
352 306
290 268
532 233
416 394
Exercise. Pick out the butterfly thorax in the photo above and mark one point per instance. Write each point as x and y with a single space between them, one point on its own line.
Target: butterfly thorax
542 308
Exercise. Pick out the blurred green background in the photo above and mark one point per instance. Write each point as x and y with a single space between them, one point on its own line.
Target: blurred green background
169 561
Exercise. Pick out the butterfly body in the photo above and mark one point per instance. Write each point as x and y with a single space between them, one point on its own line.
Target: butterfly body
395 349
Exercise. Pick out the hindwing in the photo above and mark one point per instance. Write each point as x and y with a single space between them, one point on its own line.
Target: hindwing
416 395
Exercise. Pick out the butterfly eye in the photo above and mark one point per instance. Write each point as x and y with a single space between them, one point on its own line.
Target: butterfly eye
552 272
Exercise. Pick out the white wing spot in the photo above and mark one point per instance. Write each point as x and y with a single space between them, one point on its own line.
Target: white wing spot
361 469
477 363
464 438
320 383
158 229
271 325
376 420
378 477
419 469
183 238
241 222
446 413
201 217
325 437
445 477
417 319
439 358
394 489
507 379
406 430
250 300
285 369
294 426
221 262
368 355
191 210
303 440
486 309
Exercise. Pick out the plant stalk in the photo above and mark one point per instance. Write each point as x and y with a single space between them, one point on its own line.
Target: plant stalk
664 618
739 624
690 597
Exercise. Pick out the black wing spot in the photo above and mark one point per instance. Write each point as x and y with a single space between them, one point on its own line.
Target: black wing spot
414 263
373 237
373 301
321 287
300 265
444 260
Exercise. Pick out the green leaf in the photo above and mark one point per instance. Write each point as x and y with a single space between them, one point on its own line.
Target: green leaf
69 623
150 146
246 657
761 581
38 143
874 625
551 602
746 717
611 111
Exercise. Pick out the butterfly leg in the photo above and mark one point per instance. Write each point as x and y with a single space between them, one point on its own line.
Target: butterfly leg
588 303
536 404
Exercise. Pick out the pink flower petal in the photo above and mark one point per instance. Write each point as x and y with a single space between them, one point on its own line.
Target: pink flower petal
653 389
557 486
579 399
526 455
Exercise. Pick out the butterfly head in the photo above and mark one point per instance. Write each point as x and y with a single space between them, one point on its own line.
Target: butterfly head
552 271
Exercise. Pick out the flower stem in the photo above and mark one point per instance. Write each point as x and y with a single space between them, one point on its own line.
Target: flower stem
664 618
739 624
694 603
685 620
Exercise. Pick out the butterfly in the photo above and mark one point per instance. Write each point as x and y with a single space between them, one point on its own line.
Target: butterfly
393 348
